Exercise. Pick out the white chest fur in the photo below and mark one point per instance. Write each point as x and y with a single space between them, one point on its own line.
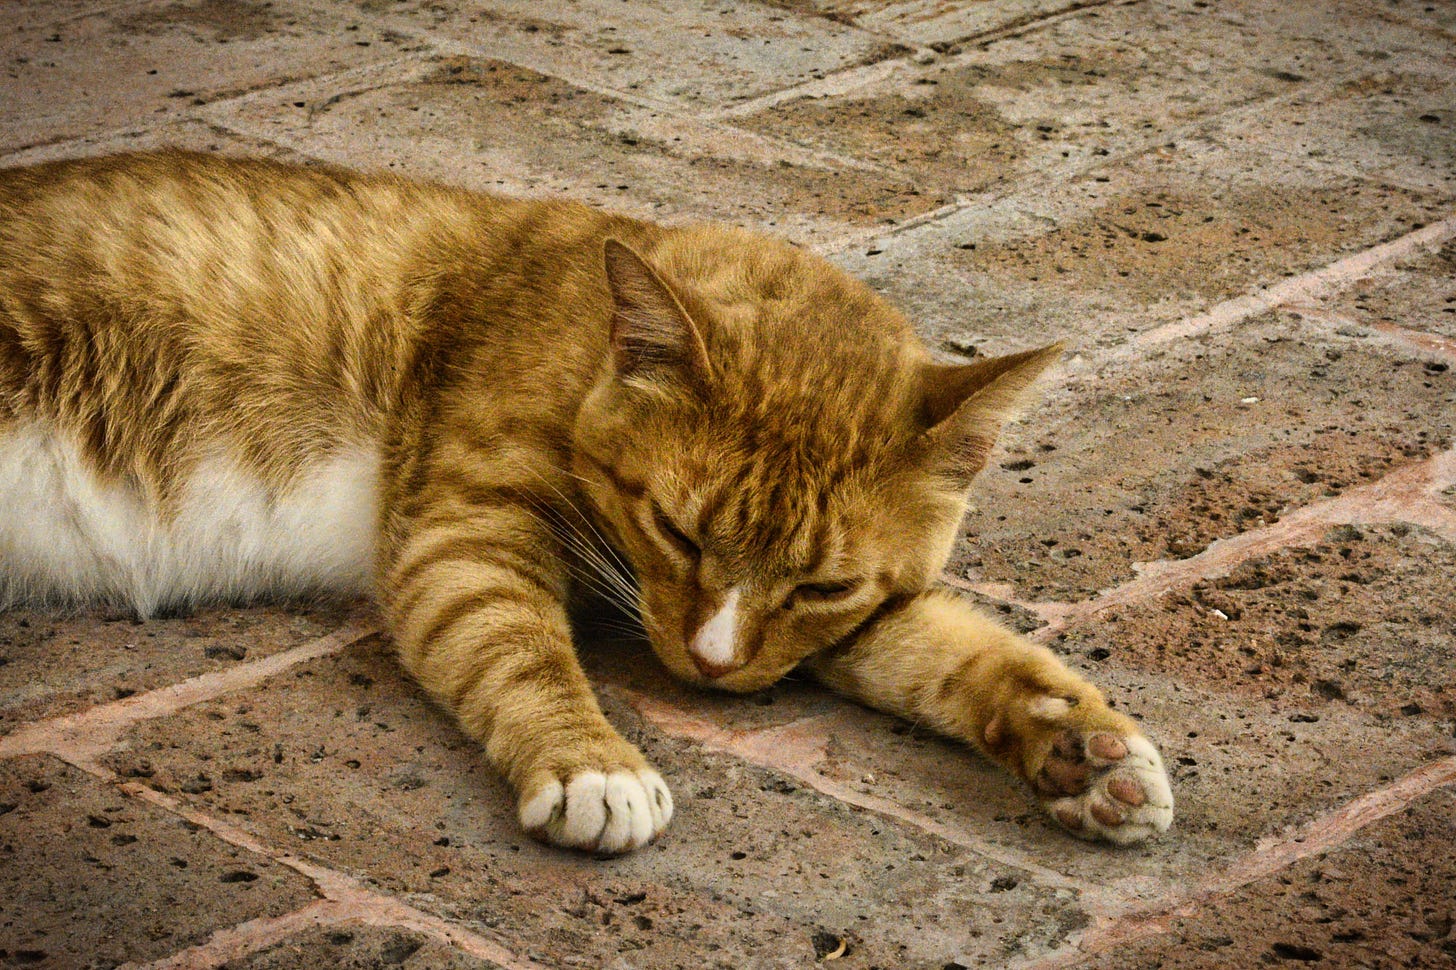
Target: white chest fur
65 535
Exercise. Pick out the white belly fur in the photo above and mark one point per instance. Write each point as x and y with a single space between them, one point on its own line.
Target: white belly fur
65 536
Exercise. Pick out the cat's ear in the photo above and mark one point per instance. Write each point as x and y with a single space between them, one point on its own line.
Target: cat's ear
652 335
964 405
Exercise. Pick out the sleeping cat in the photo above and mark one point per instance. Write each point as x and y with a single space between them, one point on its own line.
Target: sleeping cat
222 380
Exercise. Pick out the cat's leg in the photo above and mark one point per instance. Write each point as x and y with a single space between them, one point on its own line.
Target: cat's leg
933 659
476 604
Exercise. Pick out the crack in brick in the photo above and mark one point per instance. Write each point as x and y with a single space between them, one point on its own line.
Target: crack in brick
87 734
797 749
1271 856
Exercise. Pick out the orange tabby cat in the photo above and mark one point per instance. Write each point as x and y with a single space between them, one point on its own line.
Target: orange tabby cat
224 380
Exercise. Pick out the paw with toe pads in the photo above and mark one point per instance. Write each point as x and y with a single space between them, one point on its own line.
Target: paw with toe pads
607 812
1106 786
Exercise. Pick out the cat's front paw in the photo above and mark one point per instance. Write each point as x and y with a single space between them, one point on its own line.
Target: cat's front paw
606 812
1105 785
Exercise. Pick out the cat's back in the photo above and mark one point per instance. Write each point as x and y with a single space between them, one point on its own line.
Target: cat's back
200 362
210 239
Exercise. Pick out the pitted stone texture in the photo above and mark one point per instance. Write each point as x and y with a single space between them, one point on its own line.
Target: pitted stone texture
1418 295
697 54
1066 95
109 66
52 665
185 133
491 125
348 946
1392 122
1157 456
1381 900
935 23
92 878
1167 235
1244 768
1360 620
344 761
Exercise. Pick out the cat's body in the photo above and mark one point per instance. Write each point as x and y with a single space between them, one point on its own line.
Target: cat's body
227 380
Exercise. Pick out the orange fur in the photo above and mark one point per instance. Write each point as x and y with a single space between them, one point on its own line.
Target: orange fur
547 390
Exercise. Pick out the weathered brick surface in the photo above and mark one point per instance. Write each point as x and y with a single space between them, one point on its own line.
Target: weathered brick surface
52 665
1080 90
700 55
351 947
79 69
1101 255
189 133
1419 296
1155 457
1235 504
1381 900
755 866
1352 623
90 878
501 127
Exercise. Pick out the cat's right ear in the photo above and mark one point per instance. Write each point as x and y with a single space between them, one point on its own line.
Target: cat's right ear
964 405
652 335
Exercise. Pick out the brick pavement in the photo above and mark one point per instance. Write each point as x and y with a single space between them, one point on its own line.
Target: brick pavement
1236 508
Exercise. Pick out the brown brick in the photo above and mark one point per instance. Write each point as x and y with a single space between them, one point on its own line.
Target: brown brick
1098 256
1358 621
52 665
939 24
109 66
1063 96
1381 900
345 763
1157 456
696 54
185 133
494 126
1418 295
352 947
90 878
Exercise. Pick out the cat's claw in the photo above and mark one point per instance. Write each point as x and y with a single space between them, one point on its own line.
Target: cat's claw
1107 787
599 812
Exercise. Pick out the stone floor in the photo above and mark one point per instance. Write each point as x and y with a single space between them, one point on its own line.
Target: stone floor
1236 507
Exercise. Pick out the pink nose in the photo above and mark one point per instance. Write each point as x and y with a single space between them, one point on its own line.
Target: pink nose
713 646
709 669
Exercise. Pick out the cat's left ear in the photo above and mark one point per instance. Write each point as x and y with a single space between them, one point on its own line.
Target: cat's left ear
964 405
652 335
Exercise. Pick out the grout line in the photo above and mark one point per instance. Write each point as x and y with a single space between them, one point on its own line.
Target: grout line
1324 834
1404 495
1407 338
235 942
850 79
797 748
351 900
91 732
839 83
1310 286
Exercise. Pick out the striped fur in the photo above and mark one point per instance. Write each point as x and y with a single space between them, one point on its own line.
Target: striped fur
235 379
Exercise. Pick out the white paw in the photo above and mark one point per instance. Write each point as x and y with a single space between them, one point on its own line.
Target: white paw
1112 788
608 813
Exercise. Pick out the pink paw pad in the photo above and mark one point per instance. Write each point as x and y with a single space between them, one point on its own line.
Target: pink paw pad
1106 788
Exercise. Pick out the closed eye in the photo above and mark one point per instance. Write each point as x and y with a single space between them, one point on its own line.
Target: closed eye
825 592
675 537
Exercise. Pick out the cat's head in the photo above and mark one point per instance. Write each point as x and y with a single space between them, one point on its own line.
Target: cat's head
775 451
